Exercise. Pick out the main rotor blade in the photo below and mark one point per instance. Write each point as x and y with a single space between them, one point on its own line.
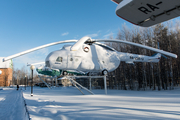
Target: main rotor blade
80 42
138 45
105 46
37 48
36 63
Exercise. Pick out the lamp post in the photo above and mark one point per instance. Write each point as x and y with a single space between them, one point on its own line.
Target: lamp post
32 68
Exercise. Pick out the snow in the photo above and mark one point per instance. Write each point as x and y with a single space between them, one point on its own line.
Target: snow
12 105
67 103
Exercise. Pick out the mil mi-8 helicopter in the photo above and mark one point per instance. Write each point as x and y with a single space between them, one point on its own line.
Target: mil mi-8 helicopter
88 55
146 13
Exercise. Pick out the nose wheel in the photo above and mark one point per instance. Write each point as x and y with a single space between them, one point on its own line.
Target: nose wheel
65 73
104 72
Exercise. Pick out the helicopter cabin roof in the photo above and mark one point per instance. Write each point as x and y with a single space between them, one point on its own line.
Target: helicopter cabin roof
67 47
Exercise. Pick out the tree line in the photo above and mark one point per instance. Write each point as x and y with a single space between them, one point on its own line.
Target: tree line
142 76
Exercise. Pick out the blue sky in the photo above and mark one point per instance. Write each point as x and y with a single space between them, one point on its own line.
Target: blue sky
25 24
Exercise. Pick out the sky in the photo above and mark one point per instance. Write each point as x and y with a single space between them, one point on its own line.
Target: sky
25 24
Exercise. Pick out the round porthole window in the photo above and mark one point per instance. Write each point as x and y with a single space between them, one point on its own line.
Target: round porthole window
86 49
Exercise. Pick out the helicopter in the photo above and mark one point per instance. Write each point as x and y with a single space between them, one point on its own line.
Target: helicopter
91 56
151 12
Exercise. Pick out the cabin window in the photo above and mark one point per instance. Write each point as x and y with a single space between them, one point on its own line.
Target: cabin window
71 59
59 59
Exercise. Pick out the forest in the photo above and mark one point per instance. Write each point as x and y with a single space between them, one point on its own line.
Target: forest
148 76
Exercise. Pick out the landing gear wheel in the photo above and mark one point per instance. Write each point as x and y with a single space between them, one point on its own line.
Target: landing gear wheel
65 73
88 74
104 72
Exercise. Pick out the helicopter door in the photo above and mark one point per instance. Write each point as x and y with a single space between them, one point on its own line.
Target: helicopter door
73 62
61 62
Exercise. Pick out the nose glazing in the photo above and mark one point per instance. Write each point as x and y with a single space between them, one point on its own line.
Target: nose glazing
47 64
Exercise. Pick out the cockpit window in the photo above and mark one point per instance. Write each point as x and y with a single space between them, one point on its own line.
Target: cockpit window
59 59
71 59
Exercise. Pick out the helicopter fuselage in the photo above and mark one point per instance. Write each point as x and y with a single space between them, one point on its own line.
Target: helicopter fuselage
89 58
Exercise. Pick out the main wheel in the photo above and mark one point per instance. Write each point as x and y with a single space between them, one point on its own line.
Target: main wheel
88 74
65 73
104 72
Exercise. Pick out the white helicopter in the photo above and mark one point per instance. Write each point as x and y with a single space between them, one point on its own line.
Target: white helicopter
146 13
88 55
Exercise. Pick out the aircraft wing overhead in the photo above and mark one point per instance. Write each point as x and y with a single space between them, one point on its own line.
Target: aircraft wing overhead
117 1
147 12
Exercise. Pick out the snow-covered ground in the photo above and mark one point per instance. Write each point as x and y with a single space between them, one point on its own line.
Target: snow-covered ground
12 105
67 103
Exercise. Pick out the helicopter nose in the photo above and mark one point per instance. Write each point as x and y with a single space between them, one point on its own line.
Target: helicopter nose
51 59
48 64
48 60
